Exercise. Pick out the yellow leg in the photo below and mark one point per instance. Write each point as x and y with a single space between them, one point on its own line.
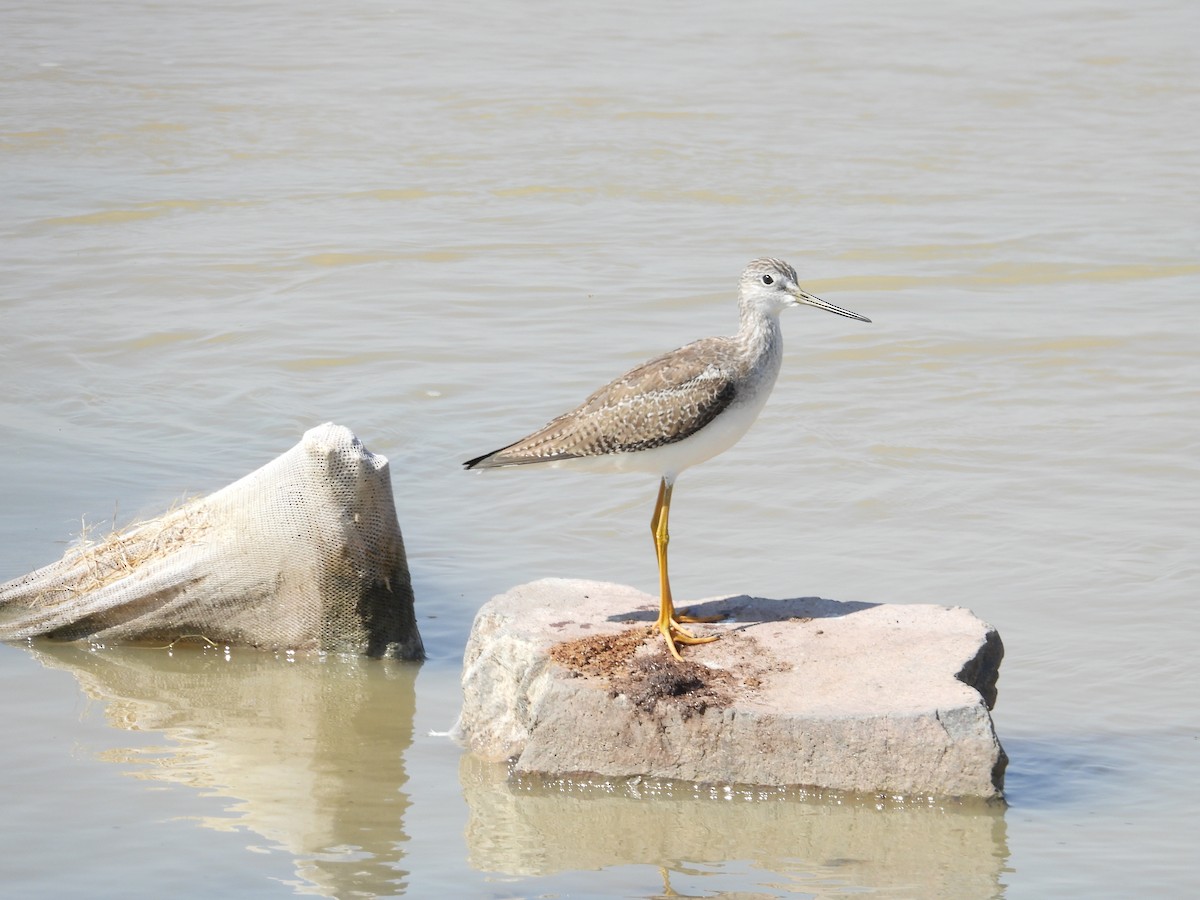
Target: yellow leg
667 622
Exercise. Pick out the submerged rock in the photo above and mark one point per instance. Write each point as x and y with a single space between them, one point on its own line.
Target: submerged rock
567 677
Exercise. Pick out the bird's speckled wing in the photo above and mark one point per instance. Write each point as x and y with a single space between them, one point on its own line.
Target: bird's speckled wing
660 402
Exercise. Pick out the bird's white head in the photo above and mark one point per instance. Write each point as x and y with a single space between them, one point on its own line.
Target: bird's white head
769 286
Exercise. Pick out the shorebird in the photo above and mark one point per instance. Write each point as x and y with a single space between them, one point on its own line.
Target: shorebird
675 411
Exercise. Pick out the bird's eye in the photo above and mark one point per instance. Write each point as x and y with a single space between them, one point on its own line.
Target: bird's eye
767 279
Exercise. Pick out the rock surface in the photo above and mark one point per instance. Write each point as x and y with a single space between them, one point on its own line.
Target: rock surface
566 677
304 553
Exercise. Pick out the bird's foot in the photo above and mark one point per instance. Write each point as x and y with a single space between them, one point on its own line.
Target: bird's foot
674 633
684 617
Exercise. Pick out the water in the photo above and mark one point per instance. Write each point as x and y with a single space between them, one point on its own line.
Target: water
441 226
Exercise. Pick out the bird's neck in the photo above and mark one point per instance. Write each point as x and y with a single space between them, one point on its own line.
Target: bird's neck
759 333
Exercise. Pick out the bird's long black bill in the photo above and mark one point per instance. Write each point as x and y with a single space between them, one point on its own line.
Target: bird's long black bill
829 307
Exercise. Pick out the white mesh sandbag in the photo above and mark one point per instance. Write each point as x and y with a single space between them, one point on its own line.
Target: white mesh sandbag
304 553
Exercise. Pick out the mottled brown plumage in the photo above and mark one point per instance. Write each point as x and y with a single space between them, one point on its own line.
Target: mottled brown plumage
667 399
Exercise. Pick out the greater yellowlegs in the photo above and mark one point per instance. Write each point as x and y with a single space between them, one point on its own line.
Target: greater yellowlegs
676 410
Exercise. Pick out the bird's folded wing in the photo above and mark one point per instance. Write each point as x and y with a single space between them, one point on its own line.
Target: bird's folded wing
660 402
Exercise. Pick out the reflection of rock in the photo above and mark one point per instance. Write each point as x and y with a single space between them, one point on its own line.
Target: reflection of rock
311 748
564 677
525 826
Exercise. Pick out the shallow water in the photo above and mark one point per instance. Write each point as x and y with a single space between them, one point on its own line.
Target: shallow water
441 227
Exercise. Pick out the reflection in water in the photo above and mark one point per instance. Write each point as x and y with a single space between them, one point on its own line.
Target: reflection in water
311 748
816 845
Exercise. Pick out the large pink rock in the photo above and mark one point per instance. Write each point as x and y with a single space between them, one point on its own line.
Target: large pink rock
808 692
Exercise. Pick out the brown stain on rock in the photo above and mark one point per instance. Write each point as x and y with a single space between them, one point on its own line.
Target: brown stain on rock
634 664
